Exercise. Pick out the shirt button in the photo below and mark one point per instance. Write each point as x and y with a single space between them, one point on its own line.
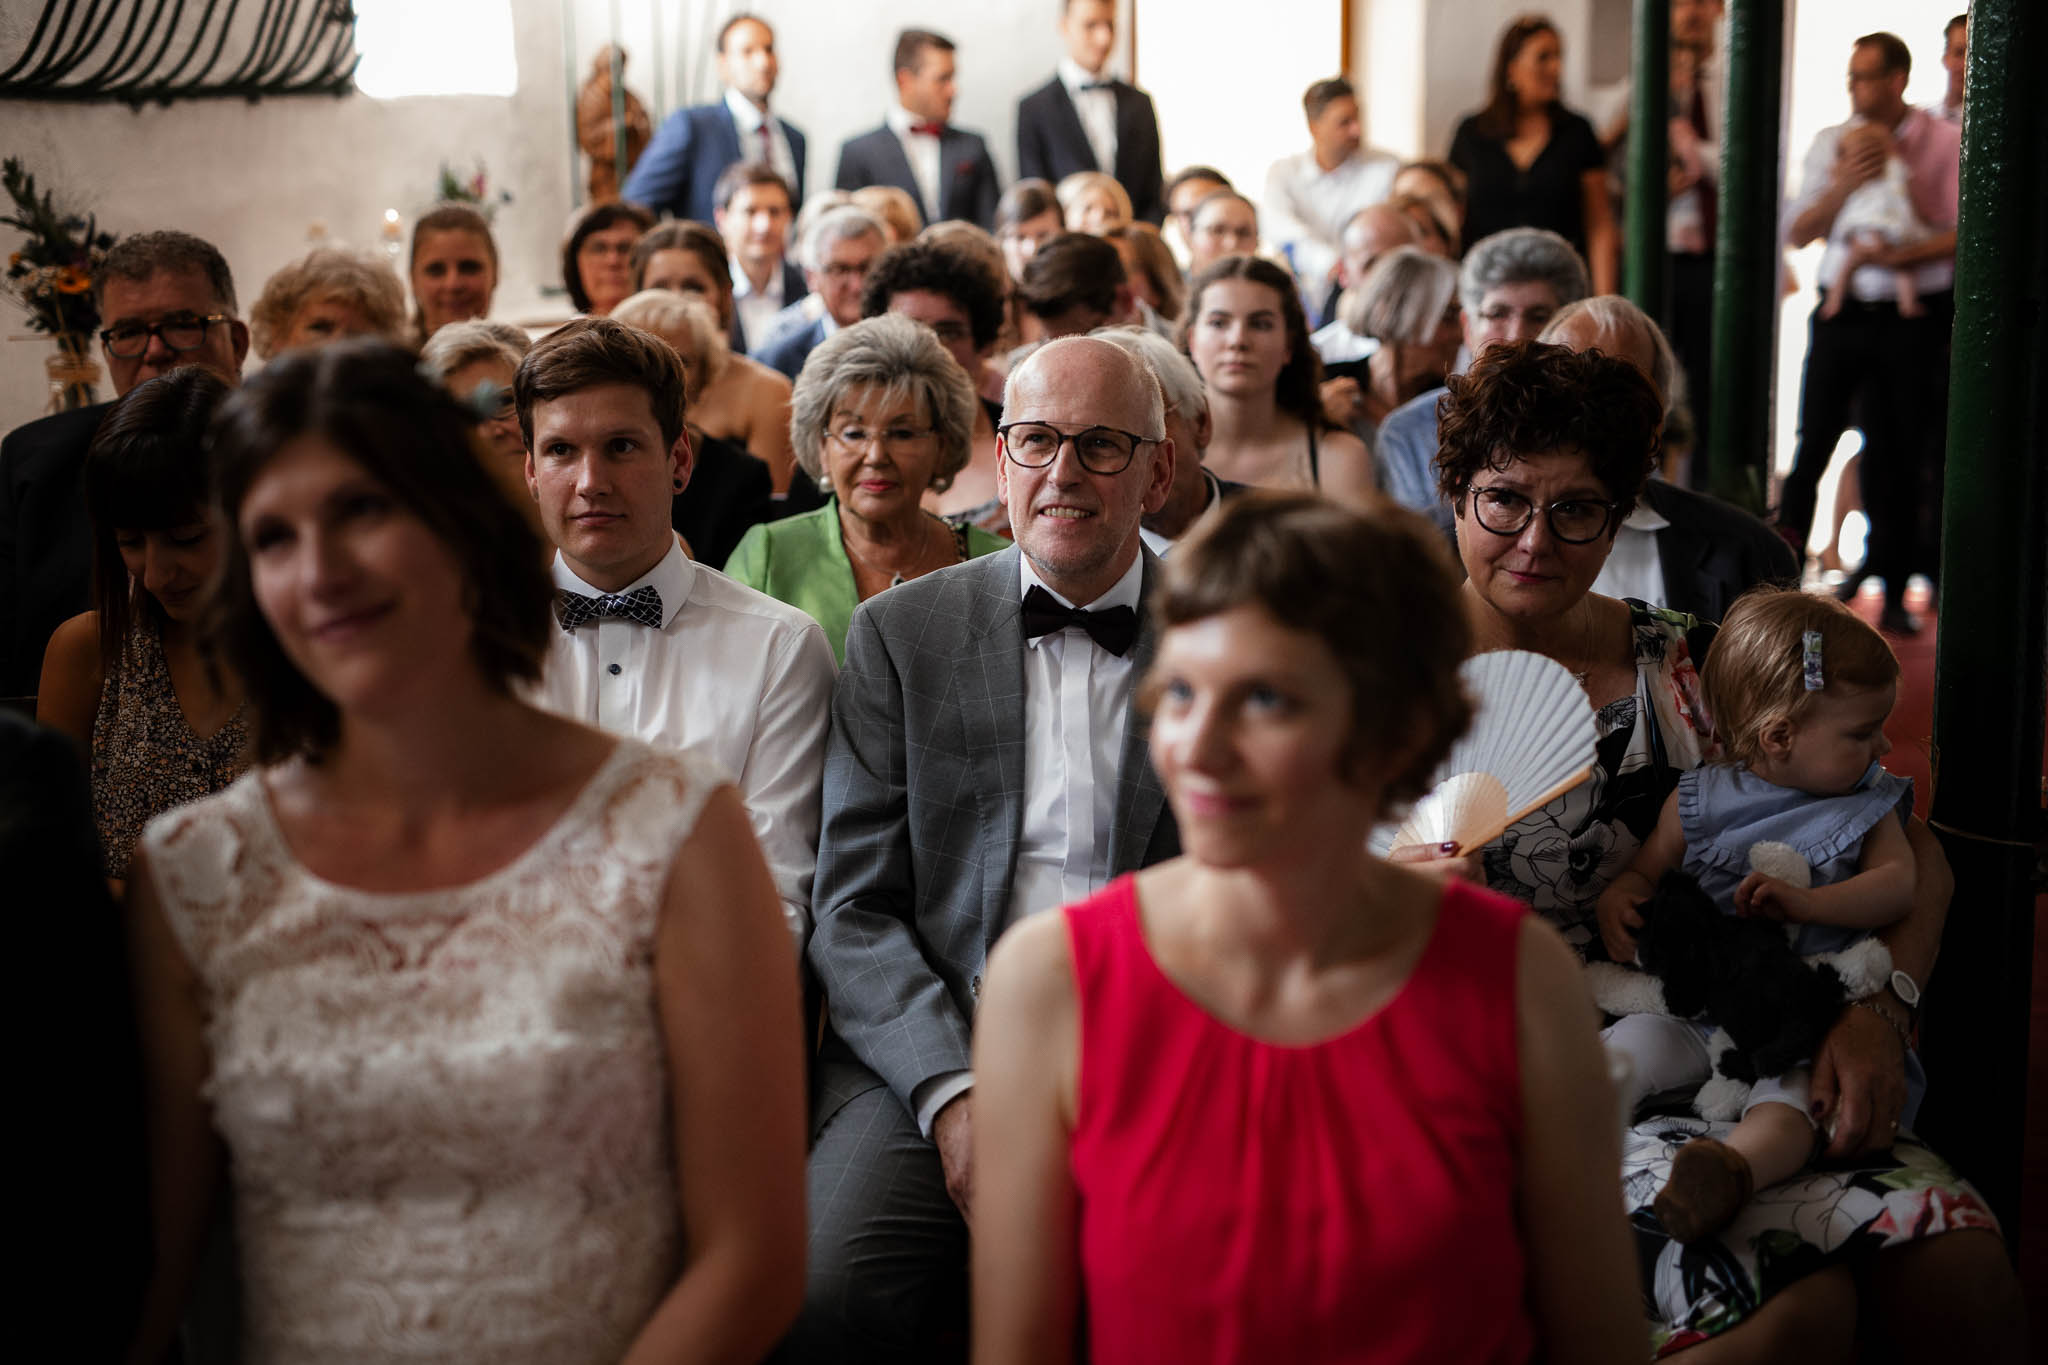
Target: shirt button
612 669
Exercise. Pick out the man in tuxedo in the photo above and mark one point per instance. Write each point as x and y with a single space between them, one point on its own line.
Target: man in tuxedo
678 173
166 299
946 169
752 210
1085 120
837 251
985 763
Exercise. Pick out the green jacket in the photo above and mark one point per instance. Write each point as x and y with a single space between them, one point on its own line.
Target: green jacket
802 561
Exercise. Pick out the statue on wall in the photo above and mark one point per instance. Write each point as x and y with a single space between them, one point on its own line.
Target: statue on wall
597 128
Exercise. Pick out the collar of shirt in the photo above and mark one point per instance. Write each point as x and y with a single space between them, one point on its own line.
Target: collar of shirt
1124 593
745 116
900 120
743 288
1074 78
672 578
1645 518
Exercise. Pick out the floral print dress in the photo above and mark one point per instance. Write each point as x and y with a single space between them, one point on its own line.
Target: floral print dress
1559 859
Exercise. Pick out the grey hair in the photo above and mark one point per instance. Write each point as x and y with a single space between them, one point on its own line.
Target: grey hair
1614 316
1180 383
1522 255
840 224
459 344
141 255
686 322
1155 395
1402 298
899 357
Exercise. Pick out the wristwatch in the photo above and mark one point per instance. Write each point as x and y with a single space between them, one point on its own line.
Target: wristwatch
1908 991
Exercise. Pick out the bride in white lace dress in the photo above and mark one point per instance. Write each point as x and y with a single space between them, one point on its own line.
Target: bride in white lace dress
495 1014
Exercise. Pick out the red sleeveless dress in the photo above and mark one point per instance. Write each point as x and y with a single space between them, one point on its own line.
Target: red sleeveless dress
1351 1200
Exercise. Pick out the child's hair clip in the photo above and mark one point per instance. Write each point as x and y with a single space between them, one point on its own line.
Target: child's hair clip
1809 654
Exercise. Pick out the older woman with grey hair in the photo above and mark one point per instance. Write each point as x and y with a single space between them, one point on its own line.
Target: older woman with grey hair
881 413
475 361
1408 303
1510 286
327 294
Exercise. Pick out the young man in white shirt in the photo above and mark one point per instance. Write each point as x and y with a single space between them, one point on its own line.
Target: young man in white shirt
1311 195
651 644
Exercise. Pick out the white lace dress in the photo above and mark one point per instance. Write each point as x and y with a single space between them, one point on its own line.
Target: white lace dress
447 1111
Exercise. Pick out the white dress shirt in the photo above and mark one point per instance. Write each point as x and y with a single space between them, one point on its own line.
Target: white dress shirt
1634 568
1869 283
733 673
1076 709
749 120
1097 108
1306 207
757 307
923 151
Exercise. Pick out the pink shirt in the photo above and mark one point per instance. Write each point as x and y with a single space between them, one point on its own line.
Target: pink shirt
1932 149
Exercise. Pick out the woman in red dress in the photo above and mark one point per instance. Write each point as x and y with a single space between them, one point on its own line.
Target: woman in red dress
1278 1099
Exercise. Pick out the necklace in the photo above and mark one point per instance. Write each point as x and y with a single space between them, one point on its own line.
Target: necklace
896 576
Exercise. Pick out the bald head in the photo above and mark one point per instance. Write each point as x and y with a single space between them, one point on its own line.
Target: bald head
1092 362
1372 232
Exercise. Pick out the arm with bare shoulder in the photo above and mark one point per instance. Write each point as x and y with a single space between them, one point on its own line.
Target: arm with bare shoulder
1344 471
1026 1063
68 698
768 423
1583 1285
185 1157
730 1020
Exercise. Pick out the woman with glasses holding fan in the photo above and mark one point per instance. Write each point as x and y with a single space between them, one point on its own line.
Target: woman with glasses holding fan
881 414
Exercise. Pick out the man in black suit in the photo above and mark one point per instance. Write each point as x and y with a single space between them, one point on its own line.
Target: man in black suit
1084 120
947 170
166 299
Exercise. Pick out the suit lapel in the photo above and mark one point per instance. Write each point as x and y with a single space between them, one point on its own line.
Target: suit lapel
1139 797
896 169
954 148
730 133
989 680
1067 124
1130 132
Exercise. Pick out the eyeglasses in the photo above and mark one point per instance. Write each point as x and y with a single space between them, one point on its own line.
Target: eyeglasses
1101 450
1575 521
845 270
180 332
854 436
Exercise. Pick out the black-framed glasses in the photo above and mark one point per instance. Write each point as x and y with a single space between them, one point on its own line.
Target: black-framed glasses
1101 450
1575 521
180 332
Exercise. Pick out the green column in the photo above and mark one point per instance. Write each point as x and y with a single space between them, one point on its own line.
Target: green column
1993 640
1649 150
1746 254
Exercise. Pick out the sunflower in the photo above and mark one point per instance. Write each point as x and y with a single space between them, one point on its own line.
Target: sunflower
72 280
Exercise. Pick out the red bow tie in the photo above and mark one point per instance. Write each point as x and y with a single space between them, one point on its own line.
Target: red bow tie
928 129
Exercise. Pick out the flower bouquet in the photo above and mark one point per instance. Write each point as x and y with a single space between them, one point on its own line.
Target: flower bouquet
51 278
474 190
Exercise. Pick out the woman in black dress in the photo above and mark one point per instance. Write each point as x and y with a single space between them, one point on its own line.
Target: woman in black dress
1531 162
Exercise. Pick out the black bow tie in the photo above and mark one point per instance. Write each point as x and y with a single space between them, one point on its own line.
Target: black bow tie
1114 628
1086 86
642 606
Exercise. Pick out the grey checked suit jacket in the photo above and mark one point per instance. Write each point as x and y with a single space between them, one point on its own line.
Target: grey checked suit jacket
924 807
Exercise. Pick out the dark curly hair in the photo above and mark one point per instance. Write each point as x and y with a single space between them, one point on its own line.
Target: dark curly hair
940 270
1528 398
1297 388
368 398
1354 582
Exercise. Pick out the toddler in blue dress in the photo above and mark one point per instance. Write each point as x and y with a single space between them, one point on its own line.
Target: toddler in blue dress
1799 690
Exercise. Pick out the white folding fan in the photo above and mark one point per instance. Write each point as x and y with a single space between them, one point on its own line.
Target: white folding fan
1530 741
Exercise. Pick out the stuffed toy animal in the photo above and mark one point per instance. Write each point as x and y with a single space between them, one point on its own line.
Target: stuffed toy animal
1770 1007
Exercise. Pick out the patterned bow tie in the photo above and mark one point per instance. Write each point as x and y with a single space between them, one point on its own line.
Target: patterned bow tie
641 606
1114 628
928 129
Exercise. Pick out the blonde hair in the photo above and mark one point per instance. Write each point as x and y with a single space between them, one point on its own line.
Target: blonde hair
1755 674
1074 189
896 210
686 322
364 279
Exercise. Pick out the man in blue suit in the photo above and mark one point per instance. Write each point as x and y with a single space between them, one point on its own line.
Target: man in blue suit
680 168
947 170
1084 120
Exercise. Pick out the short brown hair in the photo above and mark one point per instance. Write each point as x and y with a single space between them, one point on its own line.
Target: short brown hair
911 43
683 235
1898 58
1354 582
1322 94
368 398
593 351
1755 673
1529 398
742 174
1155 258
591 219
1071 270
